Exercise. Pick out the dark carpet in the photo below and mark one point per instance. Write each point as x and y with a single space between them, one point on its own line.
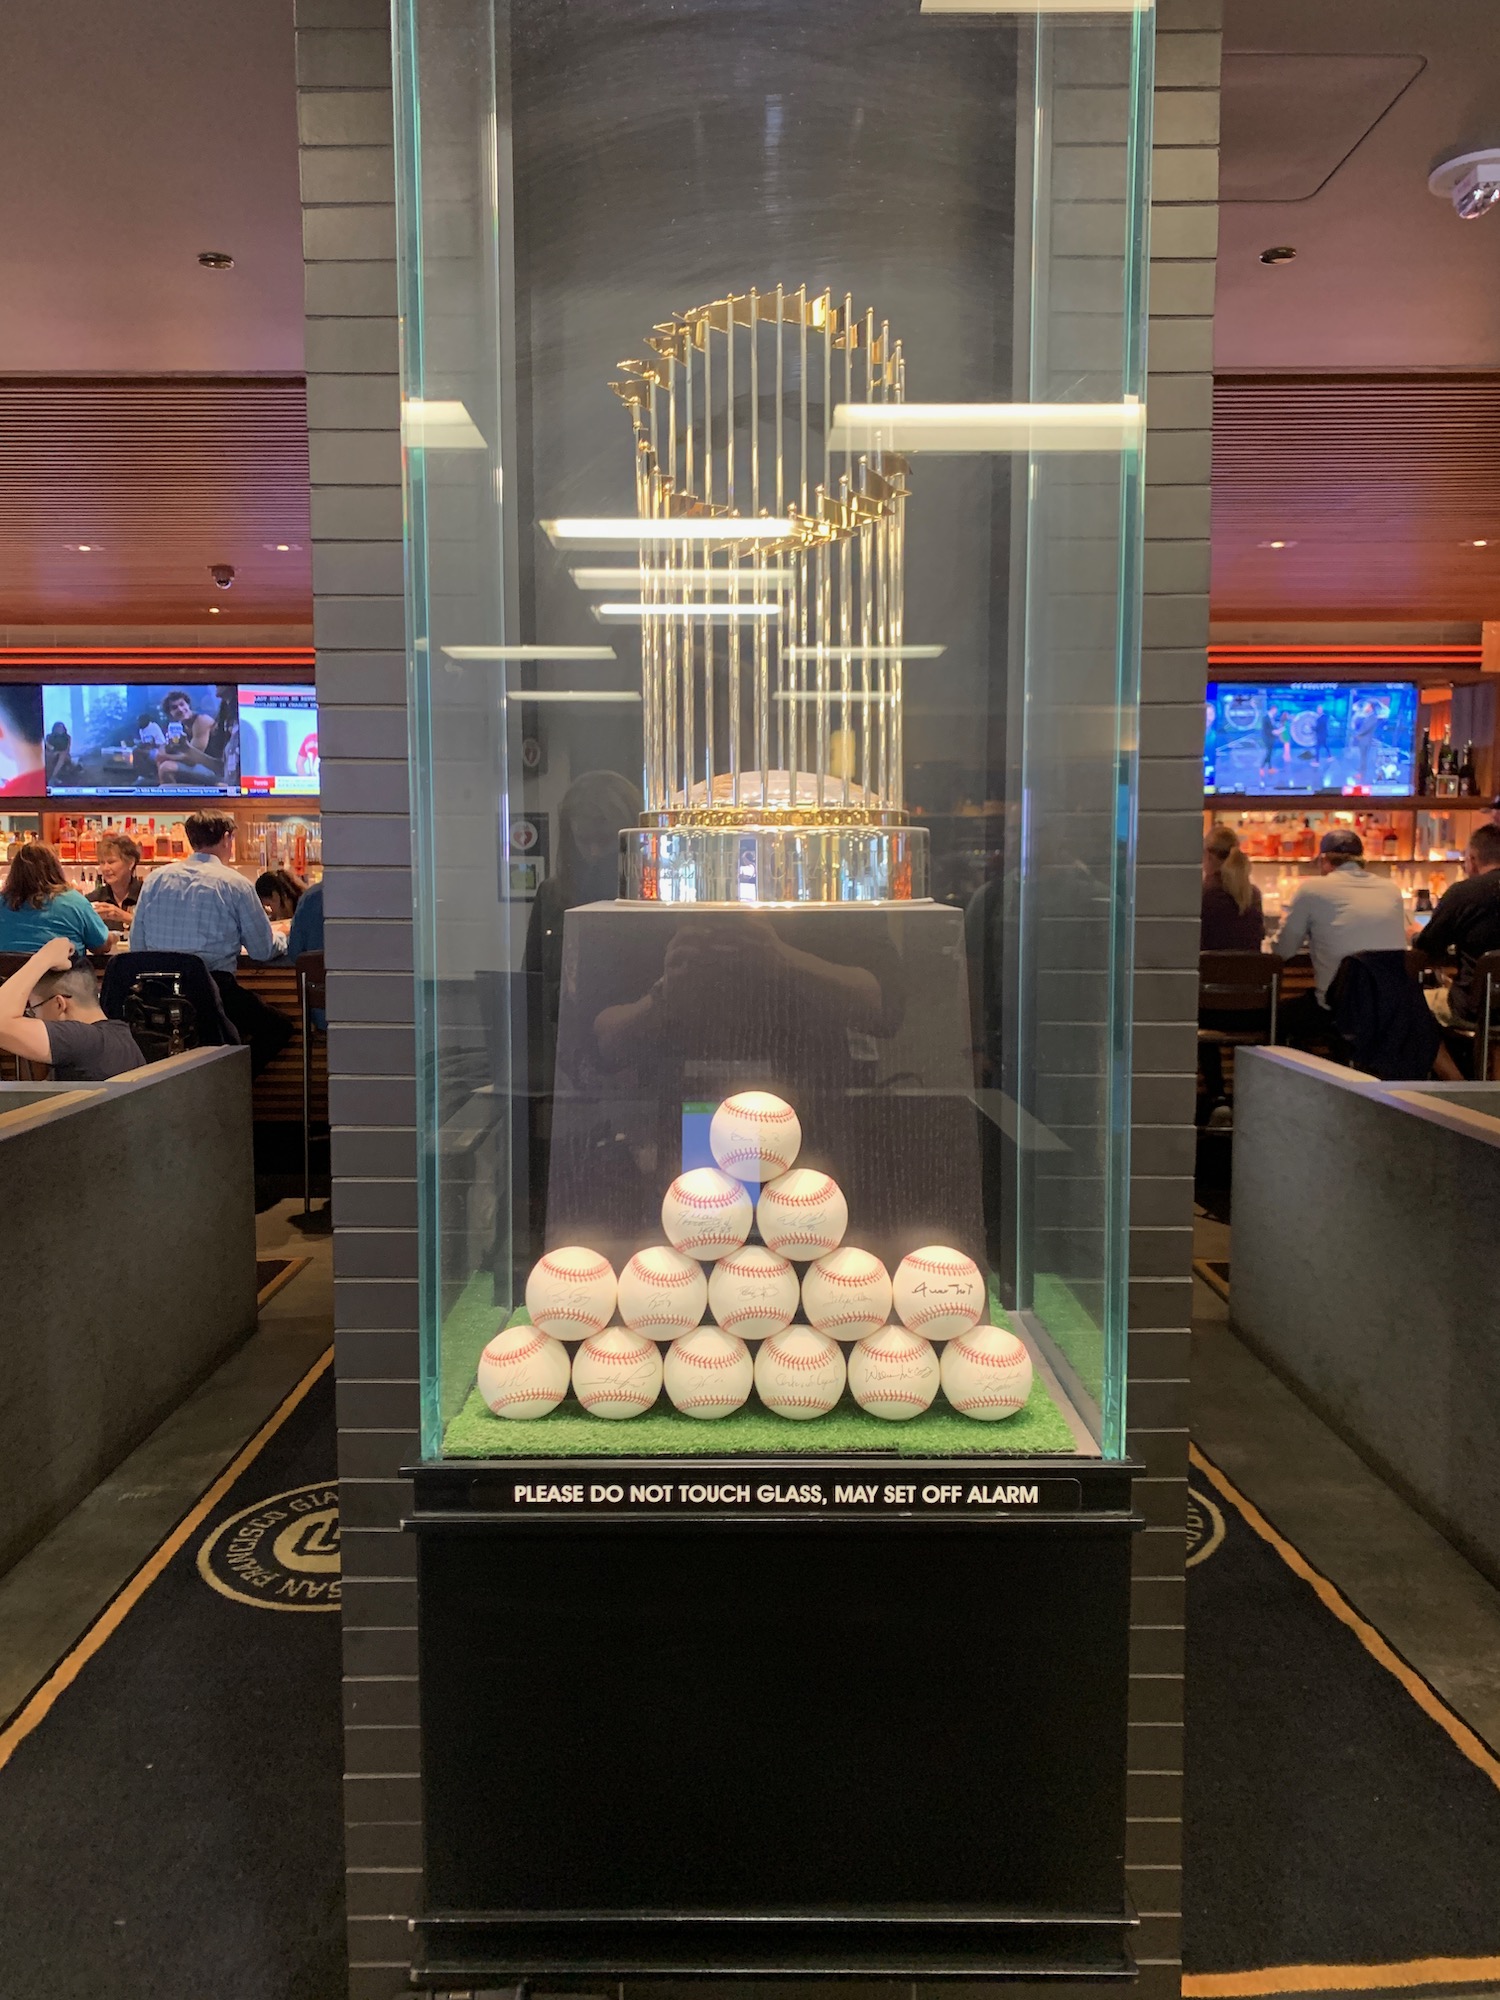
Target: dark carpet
1330 1820
172 1826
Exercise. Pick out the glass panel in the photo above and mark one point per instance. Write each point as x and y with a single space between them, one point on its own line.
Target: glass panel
773 420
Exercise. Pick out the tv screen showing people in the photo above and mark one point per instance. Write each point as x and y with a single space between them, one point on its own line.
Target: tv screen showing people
1355 738
278 741
141 739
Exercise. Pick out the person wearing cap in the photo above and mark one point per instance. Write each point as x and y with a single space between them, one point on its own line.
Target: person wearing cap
1344 910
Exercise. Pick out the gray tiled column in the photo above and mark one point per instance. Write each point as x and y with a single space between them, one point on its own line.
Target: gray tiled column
1184 230
349 234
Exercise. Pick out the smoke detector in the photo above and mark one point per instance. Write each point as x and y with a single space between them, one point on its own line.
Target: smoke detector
1471 182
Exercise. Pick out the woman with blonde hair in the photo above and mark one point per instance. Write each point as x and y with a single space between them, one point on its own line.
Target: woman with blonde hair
1233 919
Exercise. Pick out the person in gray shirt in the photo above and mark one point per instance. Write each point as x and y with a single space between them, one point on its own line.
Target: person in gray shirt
50 1013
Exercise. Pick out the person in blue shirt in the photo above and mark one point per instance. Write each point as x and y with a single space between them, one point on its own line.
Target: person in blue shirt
306 934
201 905
36 904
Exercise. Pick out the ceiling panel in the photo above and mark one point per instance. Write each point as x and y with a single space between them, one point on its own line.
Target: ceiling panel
1378 487
158 479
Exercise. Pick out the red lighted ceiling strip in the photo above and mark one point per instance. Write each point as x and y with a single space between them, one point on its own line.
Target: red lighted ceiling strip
158 656
1345 656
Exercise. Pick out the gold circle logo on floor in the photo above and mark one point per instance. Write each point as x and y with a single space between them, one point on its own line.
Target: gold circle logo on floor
1205 1527
282 1554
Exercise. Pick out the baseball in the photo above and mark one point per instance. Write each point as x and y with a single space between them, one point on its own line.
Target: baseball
753 1292
708 1373
847 1293
802 1214
894 1374
523 1373
987 1373
754 1136
571 1293
662 1293
938 1292
799 1373
706 1213
617 1373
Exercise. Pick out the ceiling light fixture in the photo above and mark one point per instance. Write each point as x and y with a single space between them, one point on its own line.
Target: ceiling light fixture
1279 253
213 610
1277 545
1471 181
82 548
1484 544
602 532
216 260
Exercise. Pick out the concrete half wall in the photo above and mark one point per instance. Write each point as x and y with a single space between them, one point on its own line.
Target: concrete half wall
1366 1271
135 1275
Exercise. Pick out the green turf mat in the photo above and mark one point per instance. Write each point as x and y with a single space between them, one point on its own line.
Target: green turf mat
664 1432
1076 1331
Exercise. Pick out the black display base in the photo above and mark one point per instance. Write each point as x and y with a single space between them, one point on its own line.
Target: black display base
781 1739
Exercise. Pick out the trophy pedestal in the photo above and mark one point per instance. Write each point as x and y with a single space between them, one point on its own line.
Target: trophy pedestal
775 864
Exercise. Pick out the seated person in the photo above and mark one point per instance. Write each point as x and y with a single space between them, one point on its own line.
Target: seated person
36 904
306 933
1466 923
119 886
202 905
197 746
50 1013
280 892
1344 909
1232 916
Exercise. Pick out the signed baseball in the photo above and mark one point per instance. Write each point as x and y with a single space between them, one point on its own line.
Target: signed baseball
571 1293
523 1373
662 1293
802 1214
987 1373
754 1136
708 1373
938 1292
894 1374
799 1373
753 1292
847 1293
617 1373
706 1213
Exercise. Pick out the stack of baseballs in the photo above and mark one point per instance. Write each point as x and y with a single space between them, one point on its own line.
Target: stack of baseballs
799 1368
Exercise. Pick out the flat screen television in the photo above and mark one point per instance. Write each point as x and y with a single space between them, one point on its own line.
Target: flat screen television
1269 738
139 739
278 741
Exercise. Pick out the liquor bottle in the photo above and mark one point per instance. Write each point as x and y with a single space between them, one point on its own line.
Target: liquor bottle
1468 777
67 841
1424 766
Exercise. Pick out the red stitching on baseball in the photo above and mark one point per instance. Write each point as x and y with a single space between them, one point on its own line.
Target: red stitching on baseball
749 1312
660 1319
986 1402
751 1266
522 1353
740 1156
963 1345
916 1319
874 1395
651 1277
802 1200
959 1263
803 1361
802 1236
532 1396
562 1270
843 1319
707 1201
605 1394
703 1361
838 1278
738 1110
797 1403
568 1313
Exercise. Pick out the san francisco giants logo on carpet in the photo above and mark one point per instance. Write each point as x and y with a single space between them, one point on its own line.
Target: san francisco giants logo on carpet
1205 1527
282 1554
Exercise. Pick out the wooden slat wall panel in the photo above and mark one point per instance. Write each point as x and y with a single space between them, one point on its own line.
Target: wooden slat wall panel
1379 485
161 478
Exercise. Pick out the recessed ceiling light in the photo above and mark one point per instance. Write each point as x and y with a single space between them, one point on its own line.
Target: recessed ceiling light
216 260
1277 545
213 610
281 548
82 548
1483 544
1279 253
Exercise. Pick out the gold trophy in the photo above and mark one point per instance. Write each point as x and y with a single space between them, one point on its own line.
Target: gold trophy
771 610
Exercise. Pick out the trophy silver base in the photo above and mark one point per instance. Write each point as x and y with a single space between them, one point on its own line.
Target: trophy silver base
775 864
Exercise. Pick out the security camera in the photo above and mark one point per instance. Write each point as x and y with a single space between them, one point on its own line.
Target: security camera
222 574
1471 182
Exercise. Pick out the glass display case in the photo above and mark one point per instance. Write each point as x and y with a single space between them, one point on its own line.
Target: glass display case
773 422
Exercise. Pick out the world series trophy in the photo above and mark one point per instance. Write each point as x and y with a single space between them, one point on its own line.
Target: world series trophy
772 622
774 928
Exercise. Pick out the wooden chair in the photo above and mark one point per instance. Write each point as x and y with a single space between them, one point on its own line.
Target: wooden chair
1243 988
